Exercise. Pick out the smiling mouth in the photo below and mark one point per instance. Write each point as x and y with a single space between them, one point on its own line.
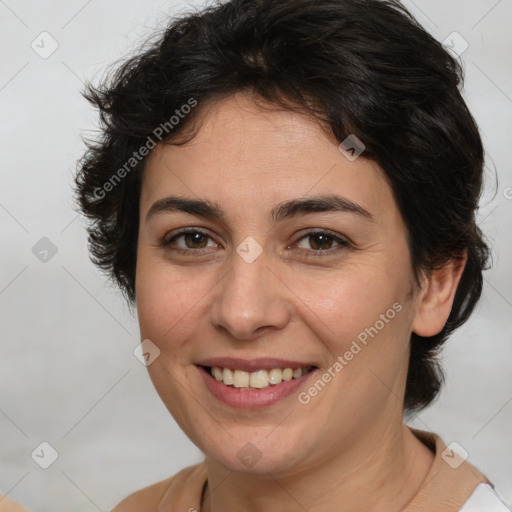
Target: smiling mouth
259 379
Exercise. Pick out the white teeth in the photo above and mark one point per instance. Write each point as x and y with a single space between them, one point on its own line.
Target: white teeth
227 376
241 379
287 374
259 379
275 376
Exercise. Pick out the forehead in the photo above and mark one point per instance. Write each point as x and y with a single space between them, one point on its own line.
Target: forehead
245 154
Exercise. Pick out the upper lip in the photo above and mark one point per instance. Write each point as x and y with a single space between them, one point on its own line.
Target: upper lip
251 365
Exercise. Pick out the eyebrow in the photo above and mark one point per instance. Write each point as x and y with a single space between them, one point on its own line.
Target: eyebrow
288 209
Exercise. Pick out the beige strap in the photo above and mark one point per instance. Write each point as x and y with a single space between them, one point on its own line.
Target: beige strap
8 505
450 481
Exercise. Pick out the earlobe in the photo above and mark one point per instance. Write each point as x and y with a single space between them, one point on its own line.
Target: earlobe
436 297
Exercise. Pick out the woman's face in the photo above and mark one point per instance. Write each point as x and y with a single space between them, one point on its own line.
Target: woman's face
266 281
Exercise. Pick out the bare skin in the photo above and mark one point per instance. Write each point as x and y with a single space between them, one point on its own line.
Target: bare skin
347 449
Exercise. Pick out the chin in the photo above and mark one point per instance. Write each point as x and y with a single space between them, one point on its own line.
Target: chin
256 452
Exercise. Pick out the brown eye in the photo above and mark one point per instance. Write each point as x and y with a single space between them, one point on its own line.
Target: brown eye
189 240
320 241
195 240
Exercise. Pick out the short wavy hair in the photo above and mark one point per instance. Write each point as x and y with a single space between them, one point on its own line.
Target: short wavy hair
361 67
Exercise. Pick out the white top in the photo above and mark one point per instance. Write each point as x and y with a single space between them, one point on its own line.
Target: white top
484 499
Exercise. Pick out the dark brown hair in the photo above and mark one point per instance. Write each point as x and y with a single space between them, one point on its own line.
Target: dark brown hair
362 67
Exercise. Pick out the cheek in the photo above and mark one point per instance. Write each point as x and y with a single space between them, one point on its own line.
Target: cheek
342 304
169 307
170 303
361 315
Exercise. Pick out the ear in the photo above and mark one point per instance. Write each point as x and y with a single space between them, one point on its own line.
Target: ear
435 299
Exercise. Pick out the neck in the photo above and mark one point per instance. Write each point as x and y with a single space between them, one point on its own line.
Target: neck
380 470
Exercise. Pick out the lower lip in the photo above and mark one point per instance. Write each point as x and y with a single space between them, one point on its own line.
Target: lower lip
251 398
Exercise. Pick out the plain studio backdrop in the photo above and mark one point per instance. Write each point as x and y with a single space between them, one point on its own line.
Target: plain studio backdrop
68 374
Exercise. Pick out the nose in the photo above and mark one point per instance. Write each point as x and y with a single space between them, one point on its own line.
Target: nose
250 300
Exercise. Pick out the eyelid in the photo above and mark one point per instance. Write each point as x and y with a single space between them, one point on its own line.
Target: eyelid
169 237
323 231
180 231
342 241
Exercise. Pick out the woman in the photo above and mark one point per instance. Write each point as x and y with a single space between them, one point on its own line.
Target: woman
286 190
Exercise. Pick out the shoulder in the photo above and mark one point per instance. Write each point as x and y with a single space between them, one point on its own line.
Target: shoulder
146 498
187 483
484 499
8 505
453 483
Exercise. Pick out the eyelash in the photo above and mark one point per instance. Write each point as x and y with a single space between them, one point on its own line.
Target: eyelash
342 243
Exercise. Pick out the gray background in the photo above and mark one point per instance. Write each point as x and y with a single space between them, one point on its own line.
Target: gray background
67 372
